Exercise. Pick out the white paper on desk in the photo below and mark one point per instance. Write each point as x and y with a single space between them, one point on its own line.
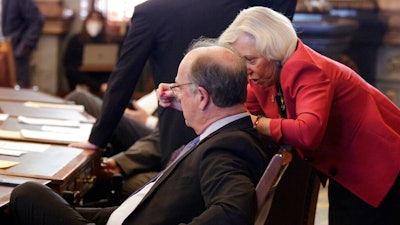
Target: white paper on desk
79 108
3 116
67 130
52 122
11 152
84 129
23 146
55 136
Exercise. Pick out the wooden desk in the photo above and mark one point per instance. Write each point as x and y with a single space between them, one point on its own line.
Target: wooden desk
68 169
11 129
22 95
60 167
24 109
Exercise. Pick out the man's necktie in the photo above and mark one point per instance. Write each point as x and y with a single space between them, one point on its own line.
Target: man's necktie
180 151
129 205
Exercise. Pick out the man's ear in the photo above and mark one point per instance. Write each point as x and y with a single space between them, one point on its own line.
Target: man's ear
204 98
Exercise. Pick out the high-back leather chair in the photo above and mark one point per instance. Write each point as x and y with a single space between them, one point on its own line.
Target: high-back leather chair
266 186
7 64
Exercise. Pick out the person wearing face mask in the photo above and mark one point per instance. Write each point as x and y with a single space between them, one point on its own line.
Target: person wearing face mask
93 32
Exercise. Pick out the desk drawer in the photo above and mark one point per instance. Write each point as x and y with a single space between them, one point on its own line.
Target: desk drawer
79 182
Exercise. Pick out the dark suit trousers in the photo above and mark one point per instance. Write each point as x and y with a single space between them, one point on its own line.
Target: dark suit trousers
46 207
127 132
22 71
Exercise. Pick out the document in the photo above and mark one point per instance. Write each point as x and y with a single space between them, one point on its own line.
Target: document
14 148
79 108
56 137
7 164
52 122
11 152
23 146
3 116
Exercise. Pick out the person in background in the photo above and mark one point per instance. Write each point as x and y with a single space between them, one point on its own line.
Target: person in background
342 126
211 181
22 22
93 31
138 121
160 32
144 110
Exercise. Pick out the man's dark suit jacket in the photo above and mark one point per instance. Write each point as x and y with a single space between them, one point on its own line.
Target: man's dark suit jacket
160 32
213 183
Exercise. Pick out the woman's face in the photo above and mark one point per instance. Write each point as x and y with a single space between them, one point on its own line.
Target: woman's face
259 70
94 25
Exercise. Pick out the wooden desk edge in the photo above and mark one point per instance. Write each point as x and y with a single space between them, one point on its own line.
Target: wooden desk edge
74 165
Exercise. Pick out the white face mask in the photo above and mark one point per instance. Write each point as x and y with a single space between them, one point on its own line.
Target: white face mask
94 28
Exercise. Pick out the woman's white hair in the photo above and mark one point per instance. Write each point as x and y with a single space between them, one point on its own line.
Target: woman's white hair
273 33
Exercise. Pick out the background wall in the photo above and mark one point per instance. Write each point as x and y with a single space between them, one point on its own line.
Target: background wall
47 72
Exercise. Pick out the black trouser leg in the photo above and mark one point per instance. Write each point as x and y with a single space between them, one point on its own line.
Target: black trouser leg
32 203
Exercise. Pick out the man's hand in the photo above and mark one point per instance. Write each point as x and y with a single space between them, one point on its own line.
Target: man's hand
84 145
110 167
166 97
137 114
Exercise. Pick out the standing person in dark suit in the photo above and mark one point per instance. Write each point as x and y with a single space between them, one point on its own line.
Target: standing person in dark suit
21 21
160 32
211 182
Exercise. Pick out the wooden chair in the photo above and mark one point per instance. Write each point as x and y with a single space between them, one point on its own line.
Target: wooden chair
297 195
269 181
7 64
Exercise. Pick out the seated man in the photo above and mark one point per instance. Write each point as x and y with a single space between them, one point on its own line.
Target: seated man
211 182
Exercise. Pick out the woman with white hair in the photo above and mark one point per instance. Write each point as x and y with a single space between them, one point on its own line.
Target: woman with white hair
343 127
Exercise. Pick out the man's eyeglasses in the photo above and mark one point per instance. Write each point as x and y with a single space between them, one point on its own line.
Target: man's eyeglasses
176 88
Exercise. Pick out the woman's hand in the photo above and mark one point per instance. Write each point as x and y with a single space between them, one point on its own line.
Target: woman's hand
261 123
